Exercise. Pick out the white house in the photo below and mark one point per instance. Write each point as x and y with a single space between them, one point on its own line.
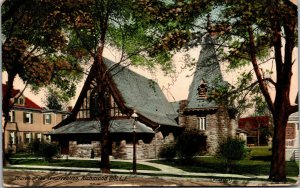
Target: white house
292 138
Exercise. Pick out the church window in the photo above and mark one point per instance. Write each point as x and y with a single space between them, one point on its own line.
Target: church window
202 90
114 110
202 123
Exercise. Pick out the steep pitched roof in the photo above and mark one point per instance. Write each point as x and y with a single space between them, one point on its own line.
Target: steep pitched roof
29 104
143 95
207 69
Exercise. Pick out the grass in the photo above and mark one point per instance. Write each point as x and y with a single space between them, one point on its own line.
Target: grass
79 163
258 163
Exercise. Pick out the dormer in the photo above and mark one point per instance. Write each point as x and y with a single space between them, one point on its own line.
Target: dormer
19 100
202 90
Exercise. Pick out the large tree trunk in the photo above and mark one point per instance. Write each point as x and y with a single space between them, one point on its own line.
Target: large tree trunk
104 107
277 171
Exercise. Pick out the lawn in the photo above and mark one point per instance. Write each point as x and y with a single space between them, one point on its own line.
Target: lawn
30 160
258 163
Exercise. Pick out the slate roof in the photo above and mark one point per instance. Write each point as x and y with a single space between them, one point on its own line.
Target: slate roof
116 126
208 69
143 95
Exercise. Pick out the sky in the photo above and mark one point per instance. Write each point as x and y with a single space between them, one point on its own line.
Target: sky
178 87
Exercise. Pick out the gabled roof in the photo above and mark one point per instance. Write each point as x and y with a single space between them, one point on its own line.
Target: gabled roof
29 104
143 95
207 69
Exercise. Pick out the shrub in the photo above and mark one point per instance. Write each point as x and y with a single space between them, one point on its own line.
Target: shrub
232 150
167 151
188 144
44 149
48 150
34 147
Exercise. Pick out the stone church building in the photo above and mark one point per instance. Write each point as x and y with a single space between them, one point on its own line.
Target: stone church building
159 121
200 111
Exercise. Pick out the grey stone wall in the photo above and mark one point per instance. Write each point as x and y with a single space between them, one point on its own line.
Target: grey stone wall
218 127
122 150
84 150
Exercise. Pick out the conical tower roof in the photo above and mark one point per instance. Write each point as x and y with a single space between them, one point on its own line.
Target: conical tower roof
207 72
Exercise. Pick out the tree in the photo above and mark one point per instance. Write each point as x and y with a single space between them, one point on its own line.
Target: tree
93 25
36 49
52 102
256 32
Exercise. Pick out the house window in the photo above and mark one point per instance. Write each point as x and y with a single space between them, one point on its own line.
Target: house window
12 116
28 117
12 138
38 136
28 138
202 123
47 119
21 101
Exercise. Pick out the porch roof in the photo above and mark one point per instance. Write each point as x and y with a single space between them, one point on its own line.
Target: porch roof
116 126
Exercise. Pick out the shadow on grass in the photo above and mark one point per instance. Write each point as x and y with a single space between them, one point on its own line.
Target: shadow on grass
217 165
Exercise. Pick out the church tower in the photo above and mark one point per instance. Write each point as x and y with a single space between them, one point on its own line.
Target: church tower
200 111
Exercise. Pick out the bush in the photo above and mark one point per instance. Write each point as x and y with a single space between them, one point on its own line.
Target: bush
35 147
44 149
167 151
232 150
48 150
188 144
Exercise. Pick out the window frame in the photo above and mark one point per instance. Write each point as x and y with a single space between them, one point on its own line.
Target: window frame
30 117
12 116
202 123
45 119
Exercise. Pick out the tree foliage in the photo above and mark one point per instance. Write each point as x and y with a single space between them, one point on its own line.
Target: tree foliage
36 47
245 32
53 102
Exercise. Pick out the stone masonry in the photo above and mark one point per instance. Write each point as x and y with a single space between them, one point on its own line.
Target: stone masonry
122 150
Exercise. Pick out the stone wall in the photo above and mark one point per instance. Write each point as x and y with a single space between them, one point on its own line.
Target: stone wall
218 127
84 150
122 150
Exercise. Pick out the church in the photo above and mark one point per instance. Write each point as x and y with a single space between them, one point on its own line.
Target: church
158 120
200 111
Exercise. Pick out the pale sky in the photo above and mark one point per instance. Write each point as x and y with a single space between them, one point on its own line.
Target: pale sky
179 87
